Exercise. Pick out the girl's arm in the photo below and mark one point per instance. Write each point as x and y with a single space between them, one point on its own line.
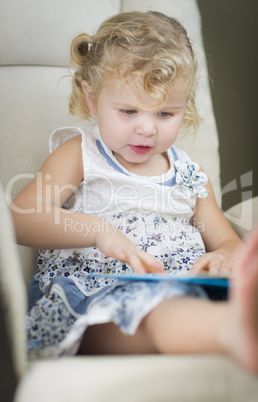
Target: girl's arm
40 222
219 238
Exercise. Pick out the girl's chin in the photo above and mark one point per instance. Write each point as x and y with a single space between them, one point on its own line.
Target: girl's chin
127 159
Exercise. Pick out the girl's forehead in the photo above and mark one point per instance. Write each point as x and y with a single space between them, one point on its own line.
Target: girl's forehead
119 90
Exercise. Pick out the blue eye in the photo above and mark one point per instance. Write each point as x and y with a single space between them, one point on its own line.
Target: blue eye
165 114
129 112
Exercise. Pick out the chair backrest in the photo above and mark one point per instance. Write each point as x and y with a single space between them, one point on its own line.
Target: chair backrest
34 53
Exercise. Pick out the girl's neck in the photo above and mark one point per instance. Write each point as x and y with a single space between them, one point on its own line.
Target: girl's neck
156 166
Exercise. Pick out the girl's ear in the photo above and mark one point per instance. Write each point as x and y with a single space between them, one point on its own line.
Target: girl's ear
88 92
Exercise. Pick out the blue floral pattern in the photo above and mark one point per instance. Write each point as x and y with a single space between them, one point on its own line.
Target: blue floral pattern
191 181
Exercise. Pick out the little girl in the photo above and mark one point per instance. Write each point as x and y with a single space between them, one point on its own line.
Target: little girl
120 198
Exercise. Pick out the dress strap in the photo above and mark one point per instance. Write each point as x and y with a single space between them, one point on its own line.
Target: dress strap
108 159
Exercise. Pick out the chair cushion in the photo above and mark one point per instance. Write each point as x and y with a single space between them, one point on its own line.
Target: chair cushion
152 378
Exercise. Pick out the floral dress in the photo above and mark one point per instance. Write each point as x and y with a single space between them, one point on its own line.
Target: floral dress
154 212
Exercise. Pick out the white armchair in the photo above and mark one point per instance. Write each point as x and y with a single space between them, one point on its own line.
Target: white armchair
34 52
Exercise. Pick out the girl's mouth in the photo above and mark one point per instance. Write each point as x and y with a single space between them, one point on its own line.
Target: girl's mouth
140 149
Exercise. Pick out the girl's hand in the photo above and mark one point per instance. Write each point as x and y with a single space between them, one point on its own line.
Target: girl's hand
113 243
215 263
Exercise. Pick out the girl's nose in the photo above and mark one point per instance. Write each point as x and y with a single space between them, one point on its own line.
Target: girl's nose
146 127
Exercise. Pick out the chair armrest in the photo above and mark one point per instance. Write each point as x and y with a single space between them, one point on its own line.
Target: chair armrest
243 216
12 288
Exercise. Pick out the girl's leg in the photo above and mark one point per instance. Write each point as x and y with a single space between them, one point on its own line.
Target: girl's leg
187 325
177 325
107 338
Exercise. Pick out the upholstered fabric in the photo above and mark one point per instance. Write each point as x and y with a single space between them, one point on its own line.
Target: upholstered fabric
243 216
12 287
139 379
39 33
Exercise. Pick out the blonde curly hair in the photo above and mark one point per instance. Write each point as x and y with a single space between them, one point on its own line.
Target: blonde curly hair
150 46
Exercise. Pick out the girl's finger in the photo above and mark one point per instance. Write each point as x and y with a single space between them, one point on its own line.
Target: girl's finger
143 262
136 264
201 264
225 269
214 267
150 263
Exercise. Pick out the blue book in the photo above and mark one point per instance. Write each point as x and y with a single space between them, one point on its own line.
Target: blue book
210 281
